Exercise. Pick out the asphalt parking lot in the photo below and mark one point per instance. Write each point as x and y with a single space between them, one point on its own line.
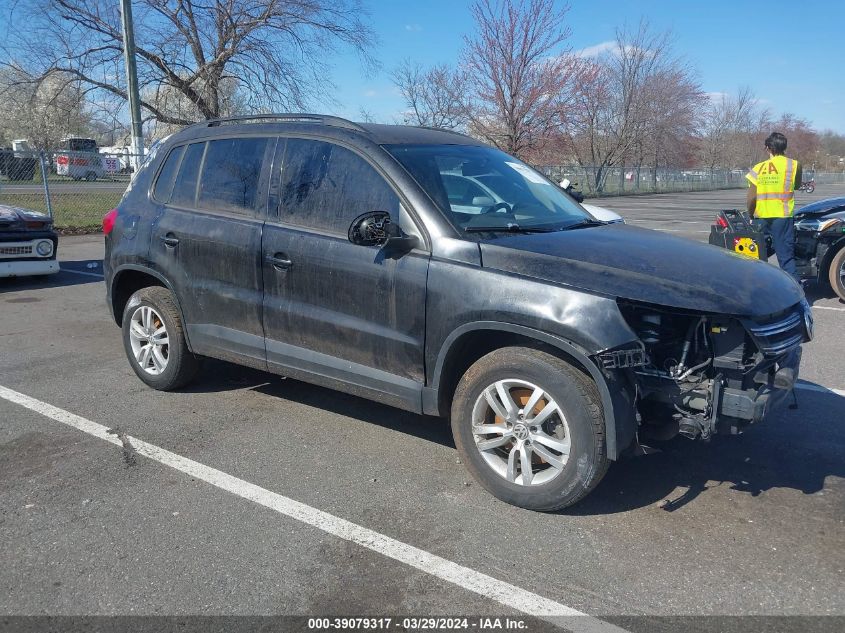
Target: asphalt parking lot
273 497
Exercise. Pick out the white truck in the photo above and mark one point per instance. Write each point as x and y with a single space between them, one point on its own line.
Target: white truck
80 159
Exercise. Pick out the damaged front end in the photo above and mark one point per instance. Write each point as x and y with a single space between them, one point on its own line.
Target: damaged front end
701 374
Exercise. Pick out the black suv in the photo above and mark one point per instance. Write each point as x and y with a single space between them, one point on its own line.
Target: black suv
426 270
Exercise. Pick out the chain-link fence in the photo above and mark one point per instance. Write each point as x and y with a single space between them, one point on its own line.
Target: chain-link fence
76 187
826 178
623 181
620 181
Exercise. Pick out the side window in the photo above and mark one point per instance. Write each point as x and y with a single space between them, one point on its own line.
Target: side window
325 187
230 174
167 175
185 189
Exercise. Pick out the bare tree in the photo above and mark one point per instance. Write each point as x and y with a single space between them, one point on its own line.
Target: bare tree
803 140
616 118
832 151
277 51
518 75
432 97
730 124
42 113
674 107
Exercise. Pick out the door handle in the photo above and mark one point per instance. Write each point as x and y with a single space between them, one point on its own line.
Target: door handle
170 240
279 261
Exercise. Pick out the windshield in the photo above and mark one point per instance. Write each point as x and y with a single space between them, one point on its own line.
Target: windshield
481 188
81 145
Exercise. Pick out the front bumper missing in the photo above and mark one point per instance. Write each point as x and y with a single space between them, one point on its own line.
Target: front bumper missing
740 407
723 405
752 406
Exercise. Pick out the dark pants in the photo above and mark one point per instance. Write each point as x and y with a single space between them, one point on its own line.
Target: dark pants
782 232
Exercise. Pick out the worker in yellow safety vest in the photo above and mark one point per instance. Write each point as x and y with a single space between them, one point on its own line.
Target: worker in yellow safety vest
771 199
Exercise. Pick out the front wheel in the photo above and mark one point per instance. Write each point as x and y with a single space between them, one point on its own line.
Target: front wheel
529 427
837 273
810 188
154 340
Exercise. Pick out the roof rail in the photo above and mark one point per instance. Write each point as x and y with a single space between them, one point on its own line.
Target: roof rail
286 118
441 129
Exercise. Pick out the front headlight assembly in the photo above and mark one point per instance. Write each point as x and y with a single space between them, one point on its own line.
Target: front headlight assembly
44 248
818 225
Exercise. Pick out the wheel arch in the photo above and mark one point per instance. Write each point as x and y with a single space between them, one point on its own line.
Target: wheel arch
471 341
127 280
831 252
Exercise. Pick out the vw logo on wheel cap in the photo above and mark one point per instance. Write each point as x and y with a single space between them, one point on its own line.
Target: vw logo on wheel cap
520 432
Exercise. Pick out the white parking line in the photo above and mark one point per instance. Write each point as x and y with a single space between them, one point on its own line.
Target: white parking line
464 577
828 308
80 272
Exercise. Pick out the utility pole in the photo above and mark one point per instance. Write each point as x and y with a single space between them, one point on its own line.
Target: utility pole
132 82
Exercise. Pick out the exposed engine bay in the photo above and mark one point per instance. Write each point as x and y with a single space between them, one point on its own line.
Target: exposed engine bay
703 374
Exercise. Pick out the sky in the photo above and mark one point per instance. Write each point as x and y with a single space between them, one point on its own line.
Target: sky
789 53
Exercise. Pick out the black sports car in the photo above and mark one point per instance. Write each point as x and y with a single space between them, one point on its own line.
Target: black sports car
820 242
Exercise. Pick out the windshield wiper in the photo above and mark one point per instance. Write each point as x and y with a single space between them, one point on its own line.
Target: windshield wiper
581 224
509 228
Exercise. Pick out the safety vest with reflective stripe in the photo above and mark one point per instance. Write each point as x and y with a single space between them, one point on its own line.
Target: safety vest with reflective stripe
775 180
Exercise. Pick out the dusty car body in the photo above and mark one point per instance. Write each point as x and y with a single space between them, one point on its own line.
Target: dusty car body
28 243
550 346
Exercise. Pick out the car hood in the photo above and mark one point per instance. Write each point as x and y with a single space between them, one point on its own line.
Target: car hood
822 207
12 218
648 266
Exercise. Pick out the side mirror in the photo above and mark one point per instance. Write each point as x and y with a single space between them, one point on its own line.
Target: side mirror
376 229
370 229
483 201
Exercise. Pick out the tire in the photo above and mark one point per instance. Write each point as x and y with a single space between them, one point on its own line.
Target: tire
810 188
576 420
152 309
836 273
91 176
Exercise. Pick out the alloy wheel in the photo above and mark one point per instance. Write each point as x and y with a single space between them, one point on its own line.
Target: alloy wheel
521 432
149 340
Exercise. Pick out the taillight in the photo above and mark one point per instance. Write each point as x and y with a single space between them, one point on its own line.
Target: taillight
721 222
35 225
109 220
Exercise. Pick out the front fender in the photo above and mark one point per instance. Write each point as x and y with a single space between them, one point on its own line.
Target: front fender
827 259
615 387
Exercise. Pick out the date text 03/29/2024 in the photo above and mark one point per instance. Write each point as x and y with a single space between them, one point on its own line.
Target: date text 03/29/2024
417 624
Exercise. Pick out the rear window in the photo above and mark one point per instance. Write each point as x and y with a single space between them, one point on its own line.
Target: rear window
230 174
185 189
167 176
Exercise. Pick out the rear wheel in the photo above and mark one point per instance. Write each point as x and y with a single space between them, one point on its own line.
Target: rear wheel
530 429
154 340
837 273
